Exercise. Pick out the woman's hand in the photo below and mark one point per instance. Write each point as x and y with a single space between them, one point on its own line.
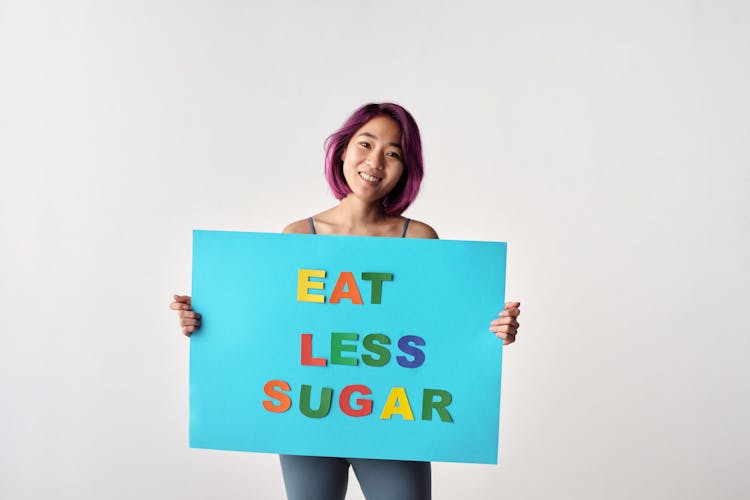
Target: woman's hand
506 326
189 319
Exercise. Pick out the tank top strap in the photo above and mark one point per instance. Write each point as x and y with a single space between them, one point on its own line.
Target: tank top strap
406 226
403 234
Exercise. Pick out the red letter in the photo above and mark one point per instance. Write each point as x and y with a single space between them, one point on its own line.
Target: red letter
365 405
306 352
351 293
271 389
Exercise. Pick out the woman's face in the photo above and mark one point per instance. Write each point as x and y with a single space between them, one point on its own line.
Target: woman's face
373 160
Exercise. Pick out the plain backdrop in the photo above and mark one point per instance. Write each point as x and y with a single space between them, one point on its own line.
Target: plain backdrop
606 142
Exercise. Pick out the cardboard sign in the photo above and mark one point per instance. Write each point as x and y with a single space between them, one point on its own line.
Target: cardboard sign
344 346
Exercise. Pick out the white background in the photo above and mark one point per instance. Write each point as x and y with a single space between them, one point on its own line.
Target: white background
607 142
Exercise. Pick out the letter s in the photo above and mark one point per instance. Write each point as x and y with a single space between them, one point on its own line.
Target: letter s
405 344
272 390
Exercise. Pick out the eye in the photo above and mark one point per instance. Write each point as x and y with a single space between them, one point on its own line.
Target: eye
395 155
364 144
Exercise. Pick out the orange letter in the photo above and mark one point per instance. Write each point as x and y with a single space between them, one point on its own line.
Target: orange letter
352 292
271 389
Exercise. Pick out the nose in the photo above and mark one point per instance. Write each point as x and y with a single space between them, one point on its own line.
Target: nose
375 160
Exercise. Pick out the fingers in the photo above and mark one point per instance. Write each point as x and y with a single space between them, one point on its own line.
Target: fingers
512 312
183 298
509 329
189 314
189 324
189 319
506 333
508 337
506 326
181 303
511 309
505 320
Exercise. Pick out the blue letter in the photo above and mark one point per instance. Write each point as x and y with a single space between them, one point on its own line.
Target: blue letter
405 344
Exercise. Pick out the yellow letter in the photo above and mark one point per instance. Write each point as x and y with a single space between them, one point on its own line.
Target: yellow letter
397 395
304 284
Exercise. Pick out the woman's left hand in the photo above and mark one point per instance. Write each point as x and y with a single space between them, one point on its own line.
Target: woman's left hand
506 326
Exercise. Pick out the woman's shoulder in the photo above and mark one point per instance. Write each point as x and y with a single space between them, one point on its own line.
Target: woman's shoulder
419 229
301 226
415 229
307 225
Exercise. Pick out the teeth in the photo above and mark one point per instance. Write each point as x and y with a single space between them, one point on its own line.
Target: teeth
368 177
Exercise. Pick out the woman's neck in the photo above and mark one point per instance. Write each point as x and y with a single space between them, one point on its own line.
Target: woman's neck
353 213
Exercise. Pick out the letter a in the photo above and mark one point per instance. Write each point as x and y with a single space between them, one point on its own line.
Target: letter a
352 292
397 404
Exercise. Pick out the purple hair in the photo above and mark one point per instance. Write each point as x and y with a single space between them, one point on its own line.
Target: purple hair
405 191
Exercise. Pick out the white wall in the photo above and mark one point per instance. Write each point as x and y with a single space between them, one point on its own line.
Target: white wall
607 142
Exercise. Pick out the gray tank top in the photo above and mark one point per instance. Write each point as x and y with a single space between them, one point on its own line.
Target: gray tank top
403 234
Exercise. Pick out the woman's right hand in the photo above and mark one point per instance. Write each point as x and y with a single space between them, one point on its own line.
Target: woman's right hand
189 319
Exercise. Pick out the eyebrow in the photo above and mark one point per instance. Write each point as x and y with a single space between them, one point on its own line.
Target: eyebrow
374 137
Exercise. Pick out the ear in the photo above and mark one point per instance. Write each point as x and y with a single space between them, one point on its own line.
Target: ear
343 154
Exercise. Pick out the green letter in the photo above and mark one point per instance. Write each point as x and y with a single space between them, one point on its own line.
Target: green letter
428 404
384 355
377 280
325 402
337 347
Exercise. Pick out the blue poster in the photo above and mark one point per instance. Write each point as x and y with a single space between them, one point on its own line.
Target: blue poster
343 346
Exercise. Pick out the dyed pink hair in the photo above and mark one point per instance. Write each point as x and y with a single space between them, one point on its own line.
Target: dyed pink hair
404 193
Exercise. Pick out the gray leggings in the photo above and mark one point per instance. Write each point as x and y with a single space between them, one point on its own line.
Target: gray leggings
324 478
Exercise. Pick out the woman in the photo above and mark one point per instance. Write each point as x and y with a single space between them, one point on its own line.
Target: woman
374 167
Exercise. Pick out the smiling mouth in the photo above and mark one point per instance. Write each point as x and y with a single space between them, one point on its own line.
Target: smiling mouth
369 178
